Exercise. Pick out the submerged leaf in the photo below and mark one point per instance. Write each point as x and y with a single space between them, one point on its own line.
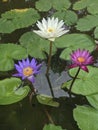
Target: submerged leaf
9 93
56 79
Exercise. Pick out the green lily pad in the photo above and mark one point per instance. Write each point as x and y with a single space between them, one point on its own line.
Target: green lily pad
96 32
72 42
86 83
58 5
9 93
35 45
9 52
89 4
86 117
69 17
52 127
93 100
17 18
87 23
47 100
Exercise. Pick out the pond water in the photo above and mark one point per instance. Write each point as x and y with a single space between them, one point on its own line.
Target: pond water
31 115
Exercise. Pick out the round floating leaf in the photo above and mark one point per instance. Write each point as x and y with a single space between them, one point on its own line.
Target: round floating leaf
9 52
80 4
93 100
96 32
47 100
9 93
87 23
58 5
61 5
52 127
35 45
68 16
89 4
86 118
86 83
43 5
17 18
72 42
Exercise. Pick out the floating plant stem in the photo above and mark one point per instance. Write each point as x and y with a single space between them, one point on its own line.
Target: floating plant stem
75 77
49 58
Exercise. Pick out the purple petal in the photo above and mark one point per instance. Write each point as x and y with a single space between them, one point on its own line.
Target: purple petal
73 66
84 68
31 79
18 68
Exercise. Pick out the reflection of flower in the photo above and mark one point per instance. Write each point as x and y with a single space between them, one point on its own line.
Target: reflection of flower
81 58
27 69
50 28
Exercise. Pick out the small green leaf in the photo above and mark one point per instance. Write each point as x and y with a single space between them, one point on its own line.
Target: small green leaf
17 18
9 93
52 127
86 118
86 83
47 100
35 45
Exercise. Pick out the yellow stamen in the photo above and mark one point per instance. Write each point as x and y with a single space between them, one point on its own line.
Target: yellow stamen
50 30
27 71
81 59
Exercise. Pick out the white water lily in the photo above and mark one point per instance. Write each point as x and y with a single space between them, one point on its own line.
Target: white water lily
50 28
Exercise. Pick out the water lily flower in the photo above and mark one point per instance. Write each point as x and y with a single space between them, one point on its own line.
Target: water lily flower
81 58
50 28
27 69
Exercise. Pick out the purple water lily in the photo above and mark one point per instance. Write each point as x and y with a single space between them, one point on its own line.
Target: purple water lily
81 58
27 69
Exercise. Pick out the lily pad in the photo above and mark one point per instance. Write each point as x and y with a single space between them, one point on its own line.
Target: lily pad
58 5
52 127
86 83
47 100
87 23
89 4
35 45
69 17
72 42
9 52
17 18
86 117
9 93
56 79
93 100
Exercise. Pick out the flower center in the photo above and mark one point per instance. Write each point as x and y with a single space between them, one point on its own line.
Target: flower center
50 30
81 59
27 71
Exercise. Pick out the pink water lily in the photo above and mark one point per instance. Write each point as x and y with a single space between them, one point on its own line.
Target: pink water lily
81 58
